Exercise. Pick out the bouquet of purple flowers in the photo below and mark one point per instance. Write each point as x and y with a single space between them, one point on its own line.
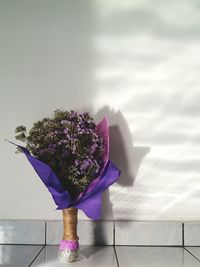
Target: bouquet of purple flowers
69 144
70 155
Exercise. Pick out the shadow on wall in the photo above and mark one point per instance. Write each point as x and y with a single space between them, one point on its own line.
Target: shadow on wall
123 154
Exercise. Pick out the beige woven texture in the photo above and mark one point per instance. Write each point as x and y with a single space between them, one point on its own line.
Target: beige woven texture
70 222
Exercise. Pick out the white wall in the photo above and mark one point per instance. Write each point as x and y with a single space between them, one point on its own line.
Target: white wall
138 62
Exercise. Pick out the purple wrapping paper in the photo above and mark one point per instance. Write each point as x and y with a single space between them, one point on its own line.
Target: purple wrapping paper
89 201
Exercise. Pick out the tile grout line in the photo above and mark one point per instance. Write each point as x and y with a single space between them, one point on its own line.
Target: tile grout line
191 254
37 255
116 257
45 237
114 245
183 236
113 233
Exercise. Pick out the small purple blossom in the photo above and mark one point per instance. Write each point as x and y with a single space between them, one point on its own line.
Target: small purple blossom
51 150
64 153
93 148
52 145
85 164
47 151
77 162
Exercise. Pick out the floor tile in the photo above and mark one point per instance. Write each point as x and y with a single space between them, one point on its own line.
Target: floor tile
155 257
97 256
18 255
195 251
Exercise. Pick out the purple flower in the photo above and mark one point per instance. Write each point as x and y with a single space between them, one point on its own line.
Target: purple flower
52 145
47 151
76 162
85 164
93 148
64 153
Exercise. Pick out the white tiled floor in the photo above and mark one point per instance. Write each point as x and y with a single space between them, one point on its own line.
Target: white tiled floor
18 255
195 251
98 256
105 256
155 257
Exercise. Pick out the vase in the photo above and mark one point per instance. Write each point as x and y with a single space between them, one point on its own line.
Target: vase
69 245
